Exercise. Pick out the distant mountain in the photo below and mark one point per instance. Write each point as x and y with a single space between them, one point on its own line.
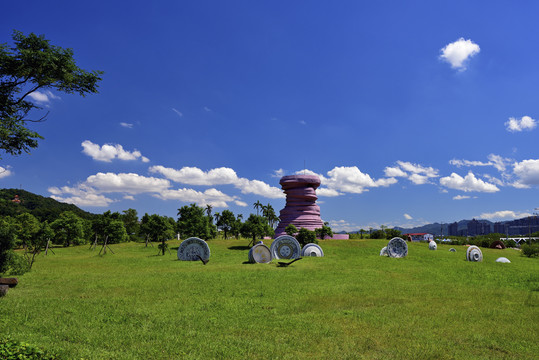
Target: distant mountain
17 201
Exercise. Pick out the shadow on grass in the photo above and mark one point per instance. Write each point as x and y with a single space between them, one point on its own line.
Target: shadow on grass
241 247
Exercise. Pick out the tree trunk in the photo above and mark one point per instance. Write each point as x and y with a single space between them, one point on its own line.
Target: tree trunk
11 282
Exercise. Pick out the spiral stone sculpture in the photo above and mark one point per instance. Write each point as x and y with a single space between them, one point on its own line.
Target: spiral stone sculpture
300 209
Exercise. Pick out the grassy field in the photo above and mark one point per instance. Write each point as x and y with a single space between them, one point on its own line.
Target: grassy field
351 304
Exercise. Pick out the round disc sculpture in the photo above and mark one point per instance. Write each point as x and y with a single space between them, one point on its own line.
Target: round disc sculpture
433 245
383 252
260 253
190 250
300 209
397 248
474 254
312 250
285 247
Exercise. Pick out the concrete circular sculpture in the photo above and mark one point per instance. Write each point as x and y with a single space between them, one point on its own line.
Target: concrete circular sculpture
397 248
433 245
474 254
452 250
260 253
383 252
312 250
285 247
300 208
503 260
193 249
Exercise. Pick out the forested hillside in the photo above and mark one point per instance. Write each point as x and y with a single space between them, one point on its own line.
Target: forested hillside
41 207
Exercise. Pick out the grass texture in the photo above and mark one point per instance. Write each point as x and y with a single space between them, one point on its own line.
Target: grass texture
350 304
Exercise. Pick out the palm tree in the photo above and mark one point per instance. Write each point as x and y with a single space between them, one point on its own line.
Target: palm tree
208 210
361 232
257 205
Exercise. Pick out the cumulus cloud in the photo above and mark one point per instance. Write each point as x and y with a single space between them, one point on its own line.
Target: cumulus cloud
278 173
516 125
5 172
211 197
416 173
218 176
327 192
503 215
42 97
108 152
86 199
468 183
457 53
527 172
352 180
127 183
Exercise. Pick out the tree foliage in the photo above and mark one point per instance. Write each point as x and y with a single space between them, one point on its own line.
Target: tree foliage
34 64
306 236
192 221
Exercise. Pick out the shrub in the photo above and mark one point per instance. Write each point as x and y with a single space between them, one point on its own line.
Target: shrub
530 250
306 236
291 229
11 349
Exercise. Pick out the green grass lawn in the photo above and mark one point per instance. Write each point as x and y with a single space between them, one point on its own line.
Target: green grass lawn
350 304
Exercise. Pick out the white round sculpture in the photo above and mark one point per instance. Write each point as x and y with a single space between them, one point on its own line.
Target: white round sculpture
452 250
383 252
503 260
260 253
433 245
285 247
397 248
474 254
312 250
190 250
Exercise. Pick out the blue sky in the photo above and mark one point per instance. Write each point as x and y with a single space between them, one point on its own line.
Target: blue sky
411 112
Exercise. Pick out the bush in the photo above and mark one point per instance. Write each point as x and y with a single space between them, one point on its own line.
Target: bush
15 264
11 349
306 236
510 243
530 250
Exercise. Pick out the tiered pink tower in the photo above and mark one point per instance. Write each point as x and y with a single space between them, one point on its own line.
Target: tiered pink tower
300 209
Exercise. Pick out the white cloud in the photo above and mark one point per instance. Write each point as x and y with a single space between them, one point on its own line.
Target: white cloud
108 152
327 192
218 176
352 180
212 197
527 172
516 125
127 183
5 172
240 203
394 172
42 97
458 52
468 183
177 112
87 200
408 217
503 215
278 173
342 225
461 197
126 125
418 169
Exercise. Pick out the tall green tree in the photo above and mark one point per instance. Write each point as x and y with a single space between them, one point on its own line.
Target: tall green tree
68 229
192 221
130 220
256 226
226 222
30 65
257 205
27 228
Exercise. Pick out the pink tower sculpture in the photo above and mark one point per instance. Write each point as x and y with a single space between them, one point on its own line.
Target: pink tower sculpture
300 209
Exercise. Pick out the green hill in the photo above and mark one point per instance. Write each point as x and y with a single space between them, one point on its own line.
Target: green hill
43 208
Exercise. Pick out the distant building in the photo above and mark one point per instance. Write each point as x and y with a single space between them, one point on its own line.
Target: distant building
419 237
478 228
453 229
500 228
16 199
